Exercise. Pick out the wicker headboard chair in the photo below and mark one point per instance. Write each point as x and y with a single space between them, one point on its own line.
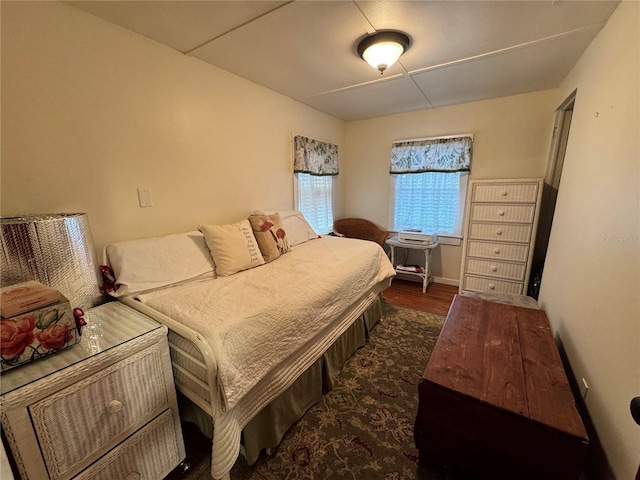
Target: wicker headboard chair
360 228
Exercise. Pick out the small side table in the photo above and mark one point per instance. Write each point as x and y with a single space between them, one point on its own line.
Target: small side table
101 409
425 275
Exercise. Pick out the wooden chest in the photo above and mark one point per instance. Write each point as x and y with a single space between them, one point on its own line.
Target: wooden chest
494 399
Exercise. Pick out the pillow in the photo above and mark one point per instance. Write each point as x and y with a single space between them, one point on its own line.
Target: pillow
157 262
270 235
234 247
297 228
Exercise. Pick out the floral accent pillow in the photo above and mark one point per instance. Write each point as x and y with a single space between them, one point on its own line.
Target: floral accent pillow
297 228
233 247
270 235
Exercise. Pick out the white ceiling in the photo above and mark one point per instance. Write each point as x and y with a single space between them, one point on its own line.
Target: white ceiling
461 51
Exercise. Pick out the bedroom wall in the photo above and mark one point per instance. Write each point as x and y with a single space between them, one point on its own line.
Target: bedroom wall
91 112
591 282
512 138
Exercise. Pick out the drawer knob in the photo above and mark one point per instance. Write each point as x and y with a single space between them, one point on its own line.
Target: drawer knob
501 213
498 232
492 286
133 476
503 193
114 406
494 268
496 250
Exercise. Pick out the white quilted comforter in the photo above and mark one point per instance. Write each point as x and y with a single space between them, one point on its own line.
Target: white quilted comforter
268 324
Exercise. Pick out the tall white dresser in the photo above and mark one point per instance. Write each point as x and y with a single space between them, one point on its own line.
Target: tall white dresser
501 218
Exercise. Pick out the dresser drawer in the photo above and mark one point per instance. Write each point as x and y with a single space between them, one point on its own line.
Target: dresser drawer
491 268
81 422
150 453
499 251
502 213
480 284
515 193
504 232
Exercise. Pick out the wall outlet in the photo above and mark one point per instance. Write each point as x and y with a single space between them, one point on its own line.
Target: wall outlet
584 388
144 197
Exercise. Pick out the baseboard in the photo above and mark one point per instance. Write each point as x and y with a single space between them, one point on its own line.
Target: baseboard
442 280
447 281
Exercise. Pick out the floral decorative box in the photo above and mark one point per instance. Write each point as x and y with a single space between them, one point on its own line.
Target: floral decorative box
35 334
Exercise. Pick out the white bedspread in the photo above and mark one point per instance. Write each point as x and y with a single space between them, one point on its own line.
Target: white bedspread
255 320
267 325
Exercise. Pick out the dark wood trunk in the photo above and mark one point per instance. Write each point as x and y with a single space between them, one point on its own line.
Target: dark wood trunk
494 399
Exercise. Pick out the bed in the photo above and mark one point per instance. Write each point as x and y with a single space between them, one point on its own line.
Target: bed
254 340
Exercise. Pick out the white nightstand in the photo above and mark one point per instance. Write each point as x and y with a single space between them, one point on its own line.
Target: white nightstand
102 409
425 275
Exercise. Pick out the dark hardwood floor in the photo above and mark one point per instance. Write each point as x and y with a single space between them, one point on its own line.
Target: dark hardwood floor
409 294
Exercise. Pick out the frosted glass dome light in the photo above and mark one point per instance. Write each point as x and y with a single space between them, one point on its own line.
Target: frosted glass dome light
383 49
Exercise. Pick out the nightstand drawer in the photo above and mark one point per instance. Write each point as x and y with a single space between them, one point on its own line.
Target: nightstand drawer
515 193
502 213
150 453
479 284
499 251
83 421
491 268
503 233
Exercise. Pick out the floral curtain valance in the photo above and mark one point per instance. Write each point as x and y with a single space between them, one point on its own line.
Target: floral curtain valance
314 157
433 155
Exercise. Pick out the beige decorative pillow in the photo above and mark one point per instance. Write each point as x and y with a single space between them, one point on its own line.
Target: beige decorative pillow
233 247
271 237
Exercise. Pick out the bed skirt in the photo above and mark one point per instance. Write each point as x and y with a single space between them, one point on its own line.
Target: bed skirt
268 427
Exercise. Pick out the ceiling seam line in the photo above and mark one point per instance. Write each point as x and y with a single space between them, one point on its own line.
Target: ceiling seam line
505 50
364 16
188 52
420 90
351 87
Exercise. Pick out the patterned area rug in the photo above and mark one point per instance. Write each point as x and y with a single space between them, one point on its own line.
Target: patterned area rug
363 428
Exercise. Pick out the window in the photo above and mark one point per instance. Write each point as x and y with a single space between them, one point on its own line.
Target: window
429 184
315 200
315 163
429 201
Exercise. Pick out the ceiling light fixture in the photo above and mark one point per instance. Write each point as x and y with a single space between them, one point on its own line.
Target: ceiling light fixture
383 49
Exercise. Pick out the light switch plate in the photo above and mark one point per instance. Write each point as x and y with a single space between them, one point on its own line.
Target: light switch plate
144 197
